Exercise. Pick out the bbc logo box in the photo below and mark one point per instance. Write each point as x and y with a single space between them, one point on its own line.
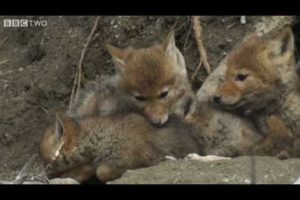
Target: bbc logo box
15 23
7 22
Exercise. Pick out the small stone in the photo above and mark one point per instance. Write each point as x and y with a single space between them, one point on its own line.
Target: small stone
297 181
65 181
247 181
226 180
243 19
170 158
194 156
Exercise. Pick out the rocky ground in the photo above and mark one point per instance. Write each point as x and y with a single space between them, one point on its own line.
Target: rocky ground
268 170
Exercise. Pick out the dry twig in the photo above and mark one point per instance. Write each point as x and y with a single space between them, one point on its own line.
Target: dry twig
77 79
187 37
4 40
4 61
196 71
199 40
23 174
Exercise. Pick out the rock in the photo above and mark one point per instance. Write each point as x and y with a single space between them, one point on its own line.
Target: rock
297 181
194 156
55 181
65 181
33 183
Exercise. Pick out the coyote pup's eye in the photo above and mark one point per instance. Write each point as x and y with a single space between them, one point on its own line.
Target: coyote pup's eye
241 77
140 98
163 94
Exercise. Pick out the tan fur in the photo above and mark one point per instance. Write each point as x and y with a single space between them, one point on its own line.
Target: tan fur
143 73
148 70
262 83
48 144
278 141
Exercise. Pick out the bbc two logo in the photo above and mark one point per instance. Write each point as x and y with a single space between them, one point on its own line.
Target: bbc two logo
24 23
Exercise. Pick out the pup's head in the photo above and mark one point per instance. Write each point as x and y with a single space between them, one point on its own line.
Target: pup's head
60 138
151 77
256 71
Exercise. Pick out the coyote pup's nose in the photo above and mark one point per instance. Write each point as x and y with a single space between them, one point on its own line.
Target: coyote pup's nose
160 121
217 99
164 119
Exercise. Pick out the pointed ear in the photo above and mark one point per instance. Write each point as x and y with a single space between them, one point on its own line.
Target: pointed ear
173 53
118 56
283 43
169 45
59 126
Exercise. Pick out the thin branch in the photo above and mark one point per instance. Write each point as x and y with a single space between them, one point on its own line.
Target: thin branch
23 174
3 41
44 109
187 37
196 71
4 61
83 53
199 40
176 22
73 91
77 81
231 25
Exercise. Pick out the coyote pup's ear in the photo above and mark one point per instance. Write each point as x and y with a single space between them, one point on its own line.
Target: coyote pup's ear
118 56
169 44
283 44
172 52
65 125
59 126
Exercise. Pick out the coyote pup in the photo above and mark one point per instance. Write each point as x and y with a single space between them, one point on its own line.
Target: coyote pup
107 146
151 81
262 84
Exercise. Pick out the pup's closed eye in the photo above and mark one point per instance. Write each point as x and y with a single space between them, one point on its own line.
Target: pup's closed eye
140 98
241 77
163 94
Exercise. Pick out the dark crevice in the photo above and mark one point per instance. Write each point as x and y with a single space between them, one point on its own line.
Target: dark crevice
296 31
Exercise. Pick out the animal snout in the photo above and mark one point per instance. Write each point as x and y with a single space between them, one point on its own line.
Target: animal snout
159 121
217 99
158 115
